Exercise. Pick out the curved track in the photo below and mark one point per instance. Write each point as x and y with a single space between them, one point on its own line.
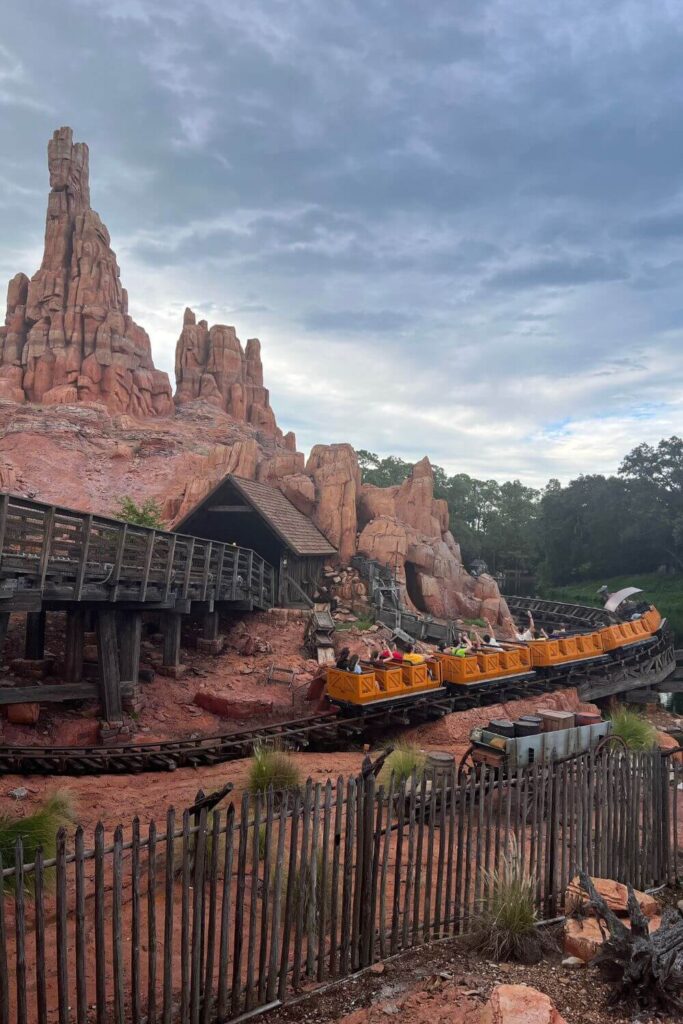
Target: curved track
328 729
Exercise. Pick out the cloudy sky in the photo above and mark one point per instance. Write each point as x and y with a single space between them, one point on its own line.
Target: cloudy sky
456 228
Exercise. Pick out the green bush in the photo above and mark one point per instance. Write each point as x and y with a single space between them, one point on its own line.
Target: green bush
272 767
505 927
633 728
37 831
404 759
146 514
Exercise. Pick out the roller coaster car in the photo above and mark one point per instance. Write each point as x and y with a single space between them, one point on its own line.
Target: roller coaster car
402 683
582 647
486 666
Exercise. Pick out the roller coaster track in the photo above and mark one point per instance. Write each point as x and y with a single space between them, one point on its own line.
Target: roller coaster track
642 665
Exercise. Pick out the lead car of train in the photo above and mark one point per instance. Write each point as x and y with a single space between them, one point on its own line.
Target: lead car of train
444 674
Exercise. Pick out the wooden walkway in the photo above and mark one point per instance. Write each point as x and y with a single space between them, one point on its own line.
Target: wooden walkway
104 573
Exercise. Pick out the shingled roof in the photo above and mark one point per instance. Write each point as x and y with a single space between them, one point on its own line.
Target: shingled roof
297 531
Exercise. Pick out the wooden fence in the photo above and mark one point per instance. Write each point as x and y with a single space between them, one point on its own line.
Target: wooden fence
215 916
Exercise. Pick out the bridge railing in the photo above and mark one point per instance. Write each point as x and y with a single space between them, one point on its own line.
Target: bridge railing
69 555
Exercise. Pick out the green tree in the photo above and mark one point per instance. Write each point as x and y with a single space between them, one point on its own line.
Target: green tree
146 514
382 472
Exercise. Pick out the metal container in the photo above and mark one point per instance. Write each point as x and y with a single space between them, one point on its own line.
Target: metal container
523 728
502 726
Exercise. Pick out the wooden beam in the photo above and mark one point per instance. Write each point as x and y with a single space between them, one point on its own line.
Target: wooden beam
229 508
172 639
211 624
108 665
54 693
73 654
35 635
130 634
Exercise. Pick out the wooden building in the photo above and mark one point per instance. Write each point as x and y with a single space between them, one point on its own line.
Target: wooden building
258 516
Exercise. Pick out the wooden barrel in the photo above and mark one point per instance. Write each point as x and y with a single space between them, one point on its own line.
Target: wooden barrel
439 763
527 727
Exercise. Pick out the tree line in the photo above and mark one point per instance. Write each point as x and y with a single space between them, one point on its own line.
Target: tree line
595 526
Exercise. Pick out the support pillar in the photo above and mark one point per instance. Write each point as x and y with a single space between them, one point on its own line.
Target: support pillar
171 665
75 640
35 635
108 665
211 625
211 642
130 634
4 626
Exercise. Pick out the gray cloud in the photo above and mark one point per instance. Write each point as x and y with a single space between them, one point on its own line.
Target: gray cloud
480 205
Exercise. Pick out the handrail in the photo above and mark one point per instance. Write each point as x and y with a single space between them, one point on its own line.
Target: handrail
65 554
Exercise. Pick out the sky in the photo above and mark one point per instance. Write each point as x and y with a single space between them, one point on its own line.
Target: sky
457 229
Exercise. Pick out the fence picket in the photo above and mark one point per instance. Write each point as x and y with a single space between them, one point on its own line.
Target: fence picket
324 878
81 993
336 853
63 937
169 916
151 924
20 933
39 911
135 921
207 994
222 1000
100 942
117 927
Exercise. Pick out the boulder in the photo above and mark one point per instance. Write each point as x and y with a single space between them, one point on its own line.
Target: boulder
519 1004
614 894
668 742
23 714
226 707
583 937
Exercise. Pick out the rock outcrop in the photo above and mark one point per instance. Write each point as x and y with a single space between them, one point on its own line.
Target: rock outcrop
69 343
407 528
68 336
211 364
519 1004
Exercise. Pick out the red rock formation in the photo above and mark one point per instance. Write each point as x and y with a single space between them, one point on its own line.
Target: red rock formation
406 527
68 337
519 1004
336 477
211 364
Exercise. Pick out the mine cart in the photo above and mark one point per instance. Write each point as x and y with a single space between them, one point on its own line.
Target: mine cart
549 736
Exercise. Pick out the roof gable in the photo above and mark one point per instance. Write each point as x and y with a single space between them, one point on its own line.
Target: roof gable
296 530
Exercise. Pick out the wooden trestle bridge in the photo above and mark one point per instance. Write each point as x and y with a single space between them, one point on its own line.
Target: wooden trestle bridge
106 573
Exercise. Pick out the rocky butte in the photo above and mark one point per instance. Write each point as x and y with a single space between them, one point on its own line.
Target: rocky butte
79 391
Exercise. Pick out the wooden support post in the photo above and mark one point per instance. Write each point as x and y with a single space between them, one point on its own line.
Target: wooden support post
108 665
35 635
130 633
172 640
4 626
73 654
211 625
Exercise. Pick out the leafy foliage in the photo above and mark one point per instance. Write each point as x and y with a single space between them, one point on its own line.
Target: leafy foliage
272 767
633 728
37 831
146 514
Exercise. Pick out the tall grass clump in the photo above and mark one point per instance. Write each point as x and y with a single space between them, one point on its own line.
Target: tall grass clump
404 759
272 767
36 830
505 928
633 728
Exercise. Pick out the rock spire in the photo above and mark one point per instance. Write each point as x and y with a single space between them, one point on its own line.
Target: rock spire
211 364
68 336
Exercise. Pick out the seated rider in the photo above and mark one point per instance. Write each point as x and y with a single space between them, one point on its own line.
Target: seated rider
343 659
355 665
527 633
412 657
